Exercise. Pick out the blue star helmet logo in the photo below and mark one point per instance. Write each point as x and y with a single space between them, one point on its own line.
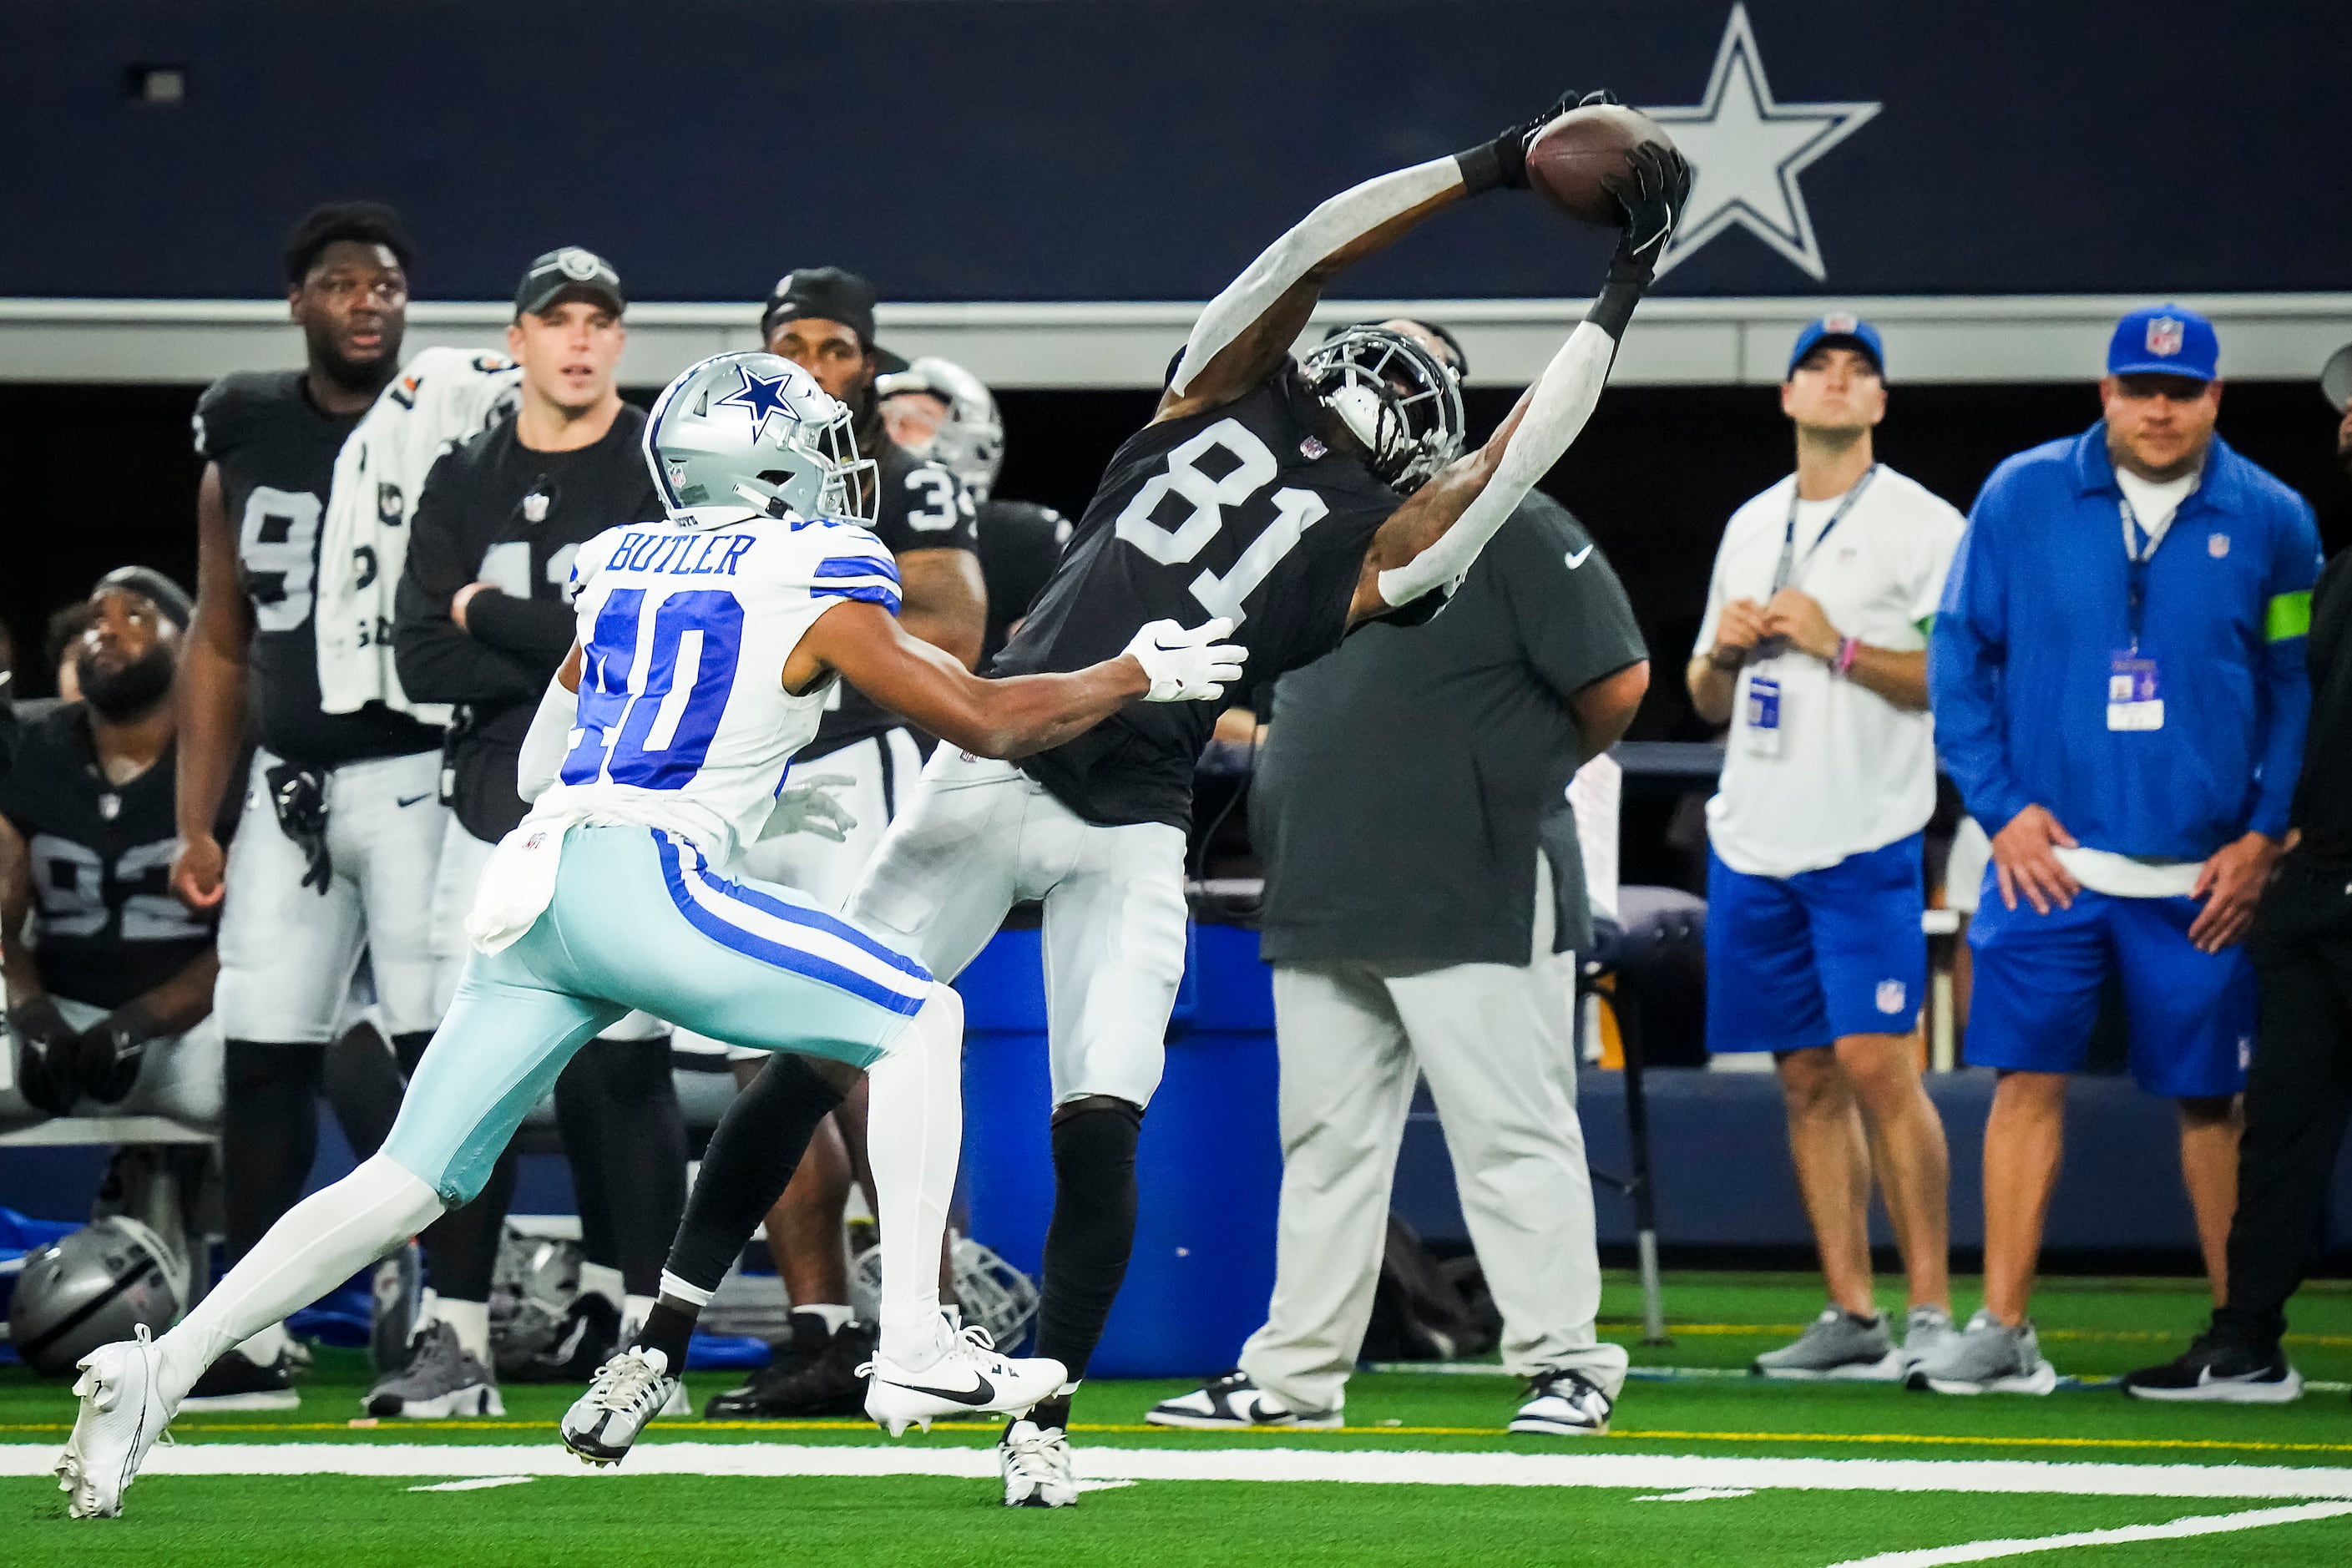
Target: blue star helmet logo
762 395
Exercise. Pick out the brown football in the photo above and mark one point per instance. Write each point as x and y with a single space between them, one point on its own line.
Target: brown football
1571 157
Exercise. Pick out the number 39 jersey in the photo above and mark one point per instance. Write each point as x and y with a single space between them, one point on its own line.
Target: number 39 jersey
684 720
1240 511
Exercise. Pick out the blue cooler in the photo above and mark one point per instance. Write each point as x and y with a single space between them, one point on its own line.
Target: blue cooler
1208 1166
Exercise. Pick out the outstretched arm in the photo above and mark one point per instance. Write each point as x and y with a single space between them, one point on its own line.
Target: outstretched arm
1429 541
1246 329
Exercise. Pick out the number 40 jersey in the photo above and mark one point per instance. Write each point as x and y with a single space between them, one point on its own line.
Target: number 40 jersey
1240 511
683 720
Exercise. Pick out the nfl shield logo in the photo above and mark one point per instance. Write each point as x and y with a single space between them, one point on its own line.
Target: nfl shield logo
535 507
2164 336
1839 323
1890 996
2217 546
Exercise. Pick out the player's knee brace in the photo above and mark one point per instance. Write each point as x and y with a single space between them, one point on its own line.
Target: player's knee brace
1093 1229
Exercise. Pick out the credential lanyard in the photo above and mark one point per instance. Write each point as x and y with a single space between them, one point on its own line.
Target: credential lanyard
1789 565
2136 559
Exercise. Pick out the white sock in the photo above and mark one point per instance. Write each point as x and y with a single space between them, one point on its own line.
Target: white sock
471 1319
833 1312
264 1348
322 1241
634 1310
602 1279
914 1133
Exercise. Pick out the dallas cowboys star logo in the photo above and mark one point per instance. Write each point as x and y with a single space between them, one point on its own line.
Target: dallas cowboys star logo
762 395
1746 152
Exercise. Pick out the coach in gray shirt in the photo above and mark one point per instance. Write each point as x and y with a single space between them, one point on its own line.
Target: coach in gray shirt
1409 915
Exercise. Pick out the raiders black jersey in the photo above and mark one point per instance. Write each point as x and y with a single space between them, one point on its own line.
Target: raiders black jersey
105 924
1020 545
276 450
493 510
923 506
1240 511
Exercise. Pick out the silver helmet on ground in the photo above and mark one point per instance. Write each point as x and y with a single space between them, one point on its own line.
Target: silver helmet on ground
102 1283
970 441
1395 395
750 434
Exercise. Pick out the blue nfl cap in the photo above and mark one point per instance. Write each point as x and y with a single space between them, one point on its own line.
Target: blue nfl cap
2164 339
1843 329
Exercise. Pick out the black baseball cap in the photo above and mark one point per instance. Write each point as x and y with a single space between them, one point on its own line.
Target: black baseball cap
571 273
828 294
167 595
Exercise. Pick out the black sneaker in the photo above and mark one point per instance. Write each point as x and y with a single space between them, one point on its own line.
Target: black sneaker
814 1374
235 1383
2220 1369
589 1338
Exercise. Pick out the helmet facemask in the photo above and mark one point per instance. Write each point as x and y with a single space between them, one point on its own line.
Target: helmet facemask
1395 397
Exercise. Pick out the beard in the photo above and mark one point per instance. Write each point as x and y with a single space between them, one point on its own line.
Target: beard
131 691
357 376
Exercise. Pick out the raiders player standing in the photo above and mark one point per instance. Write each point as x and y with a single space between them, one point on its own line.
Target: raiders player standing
847 785
348 862
1297 501
482 620
109 1008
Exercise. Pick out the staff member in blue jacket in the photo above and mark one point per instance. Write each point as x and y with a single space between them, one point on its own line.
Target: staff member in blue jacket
2117 676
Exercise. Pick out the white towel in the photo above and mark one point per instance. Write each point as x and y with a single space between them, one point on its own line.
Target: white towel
442 397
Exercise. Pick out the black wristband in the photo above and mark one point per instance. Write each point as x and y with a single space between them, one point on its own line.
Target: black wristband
1614 307
1482 168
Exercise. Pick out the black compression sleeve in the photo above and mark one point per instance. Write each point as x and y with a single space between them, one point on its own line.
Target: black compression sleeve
1093 1229
270 1134
758 1145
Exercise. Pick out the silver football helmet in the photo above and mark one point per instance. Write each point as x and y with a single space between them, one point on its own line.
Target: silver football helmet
971 440
102 1283
750 435
991 1292
1402 401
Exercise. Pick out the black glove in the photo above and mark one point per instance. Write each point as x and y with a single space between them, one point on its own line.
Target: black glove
1653 192
298 796
47 1073
111 1050
1502 164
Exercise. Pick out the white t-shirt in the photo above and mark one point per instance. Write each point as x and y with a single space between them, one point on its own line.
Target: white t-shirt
1854 772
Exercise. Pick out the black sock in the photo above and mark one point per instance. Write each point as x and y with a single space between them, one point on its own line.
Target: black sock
668 1329
1093 1230
270 1134
758 1145
626 1137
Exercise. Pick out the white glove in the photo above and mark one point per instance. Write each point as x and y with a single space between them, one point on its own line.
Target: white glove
1187 665
807 806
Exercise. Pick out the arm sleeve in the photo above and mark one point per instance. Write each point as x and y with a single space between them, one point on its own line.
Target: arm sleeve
535 632
437 660
1966 652
1575 624
2286 684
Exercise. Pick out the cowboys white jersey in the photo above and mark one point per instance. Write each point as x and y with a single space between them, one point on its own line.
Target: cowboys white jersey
684 722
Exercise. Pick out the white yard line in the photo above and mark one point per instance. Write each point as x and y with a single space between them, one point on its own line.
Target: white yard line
1631 1472
479 1483
2198 1524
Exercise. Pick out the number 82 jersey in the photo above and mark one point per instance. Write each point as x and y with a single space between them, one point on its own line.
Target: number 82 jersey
684 720
1241 511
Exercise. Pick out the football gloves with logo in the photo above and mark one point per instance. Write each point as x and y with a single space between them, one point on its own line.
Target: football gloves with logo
1187 665
47 1075
1653 192
1502 164
111 1050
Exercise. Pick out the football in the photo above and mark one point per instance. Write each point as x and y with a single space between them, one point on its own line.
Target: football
1571 158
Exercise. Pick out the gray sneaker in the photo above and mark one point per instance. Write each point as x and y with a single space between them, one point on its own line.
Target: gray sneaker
1987 1357
1925 1332
1836 1345
441 1381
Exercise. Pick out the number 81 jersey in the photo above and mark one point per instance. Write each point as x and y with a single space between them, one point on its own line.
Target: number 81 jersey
1240 511
684 720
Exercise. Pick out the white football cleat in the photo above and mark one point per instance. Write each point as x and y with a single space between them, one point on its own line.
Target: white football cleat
968 1379
627 1393
122 1415
1035 1463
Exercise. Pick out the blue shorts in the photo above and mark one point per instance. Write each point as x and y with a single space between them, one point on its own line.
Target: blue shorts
1803 961
2190 1014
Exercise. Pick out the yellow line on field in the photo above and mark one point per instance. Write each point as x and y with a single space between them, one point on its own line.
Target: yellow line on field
1739 1330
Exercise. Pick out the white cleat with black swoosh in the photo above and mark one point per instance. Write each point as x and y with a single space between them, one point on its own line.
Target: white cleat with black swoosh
968 1378
122 1414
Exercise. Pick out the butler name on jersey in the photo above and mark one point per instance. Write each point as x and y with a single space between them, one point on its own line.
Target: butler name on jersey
1240 510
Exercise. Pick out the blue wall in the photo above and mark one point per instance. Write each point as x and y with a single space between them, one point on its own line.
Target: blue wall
1133 150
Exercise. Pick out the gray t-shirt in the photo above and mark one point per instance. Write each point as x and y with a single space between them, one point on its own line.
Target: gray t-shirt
1409 776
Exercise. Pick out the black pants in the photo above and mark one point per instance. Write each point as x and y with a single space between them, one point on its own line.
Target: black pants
2298 1093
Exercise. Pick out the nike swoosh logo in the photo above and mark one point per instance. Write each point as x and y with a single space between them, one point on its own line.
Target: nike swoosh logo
412 800
973 1396
1575 558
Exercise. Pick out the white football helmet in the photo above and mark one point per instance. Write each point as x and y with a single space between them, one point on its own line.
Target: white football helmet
971 440
750 435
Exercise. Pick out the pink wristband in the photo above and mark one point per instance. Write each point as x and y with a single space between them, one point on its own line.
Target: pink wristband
1846 650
